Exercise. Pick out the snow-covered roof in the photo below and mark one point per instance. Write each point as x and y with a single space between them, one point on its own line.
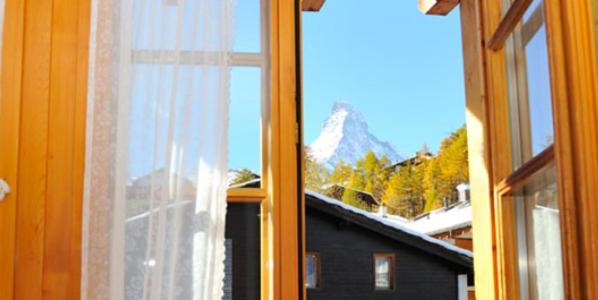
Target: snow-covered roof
443 219
246 183
390 222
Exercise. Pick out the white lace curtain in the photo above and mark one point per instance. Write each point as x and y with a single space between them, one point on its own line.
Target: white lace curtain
156 165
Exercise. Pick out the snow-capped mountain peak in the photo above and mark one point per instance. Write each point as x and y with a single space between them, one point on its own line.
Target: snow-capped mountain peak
345 135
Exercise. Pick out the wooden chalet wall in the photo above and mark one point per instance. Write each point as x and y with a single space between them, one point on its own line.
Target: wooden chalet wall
243 229
346 251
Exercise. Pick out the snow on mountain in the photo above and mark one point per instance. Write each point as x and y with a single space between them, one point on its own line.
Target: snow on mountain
345 136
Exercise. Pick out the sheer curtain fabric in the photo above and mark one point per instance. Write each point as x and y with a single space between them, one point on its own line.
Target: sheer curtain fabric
156 157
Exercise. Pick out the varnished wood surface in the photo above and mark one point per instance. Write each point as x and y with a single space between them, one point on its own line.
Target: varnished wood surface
10 121
44 89
479 148
572 54
520 176
508 23
437 7
312 5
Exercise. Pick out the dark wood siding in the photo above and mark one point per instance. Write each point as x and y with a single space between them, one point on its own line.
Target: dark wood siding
243 228
346 263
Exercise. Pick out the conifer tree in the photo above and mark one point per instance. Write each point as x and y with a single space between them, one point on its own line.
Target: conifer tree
404 193
369 175
316 175
341 173
447 170
243 175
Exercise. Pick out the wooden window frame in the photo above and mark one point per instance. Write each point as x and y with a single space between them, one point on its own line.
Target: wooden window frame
392 270
519 145
574 84
41 219
318 269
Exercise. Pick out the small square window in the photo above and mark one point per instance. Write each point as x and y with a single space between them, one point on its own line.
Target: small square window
384 271
312 270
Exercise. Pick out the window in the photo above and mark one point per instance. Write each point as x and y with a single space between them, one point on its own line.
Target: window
528 83
384 268
312 270
528 207
539 237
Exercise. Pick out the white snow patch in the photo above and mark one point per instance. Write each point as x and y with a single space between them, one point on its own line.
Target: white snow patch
443 219
391 223
345 135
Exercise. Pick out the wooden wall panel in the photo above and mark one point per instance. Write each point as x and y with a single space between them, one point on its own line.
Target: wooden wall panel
45 76
10 107
65 153
29 248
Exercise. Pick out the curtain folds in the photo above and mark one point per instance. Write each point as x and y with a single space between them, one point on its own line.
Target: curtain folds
156 161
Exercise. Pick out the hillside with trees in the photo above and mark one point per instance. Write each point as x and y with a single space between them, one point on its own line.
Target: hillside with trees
417 185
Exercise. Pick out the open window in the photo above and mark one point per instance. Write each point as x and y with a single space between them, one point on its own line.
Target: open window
528 198
530 86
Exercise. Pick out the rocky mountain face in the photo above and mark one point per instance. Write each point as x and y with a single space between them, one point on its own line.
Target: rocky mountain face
345 135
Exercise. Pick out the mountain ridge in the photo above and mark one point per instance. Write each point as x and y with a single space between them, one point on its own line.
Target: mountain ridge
345 135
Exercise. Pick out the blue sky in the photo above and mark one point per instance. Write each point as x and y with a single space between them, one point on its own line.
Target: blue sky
401 69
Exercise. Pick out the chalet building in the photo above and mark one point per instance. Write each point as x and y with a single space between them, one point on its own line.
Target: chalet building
351 254
415 160
450 223
337 191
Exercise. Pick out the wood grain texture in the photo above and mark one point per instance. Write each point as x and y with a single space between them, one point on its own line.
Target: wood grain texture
437 7
45 91
32 183
255 195
574 74
270 208
66 147
479 148
79 143
10 106
506 282
519 177
508 24
312 5
289 220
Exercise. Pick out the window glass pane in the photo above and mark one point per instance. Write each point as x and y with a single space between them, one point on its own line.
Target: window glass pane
163 135
173 24
248 29
539 237
382 269
528 79
244 127
311 271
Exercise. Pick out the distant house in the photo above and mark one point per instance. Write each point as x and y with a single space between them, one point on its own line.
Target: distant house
451 223
337 191
415 160
352 254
